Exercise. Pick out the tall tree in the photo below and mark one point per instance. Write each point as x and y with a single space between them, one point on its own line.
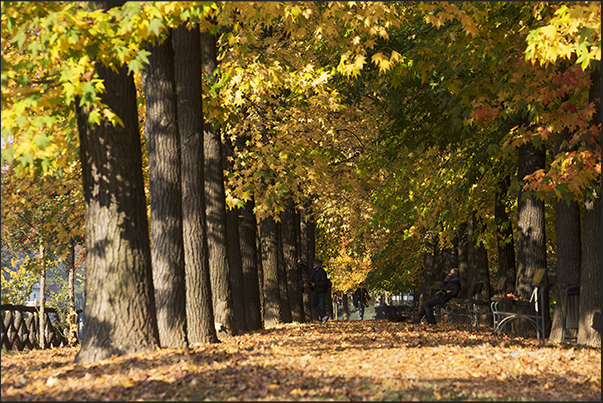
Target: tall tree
163 140
249 263
531 240
589 328
269 252
234 248
283 282
215 201
569 248
120 314
504 235
289 230
187 72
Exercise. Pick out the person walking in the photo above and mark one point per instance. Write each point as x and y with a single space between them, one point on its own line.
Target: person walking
362 296
449 289
319 285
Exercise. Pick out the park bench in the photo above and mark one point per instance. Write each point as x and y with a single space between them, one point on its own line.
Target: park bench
476 306
507 308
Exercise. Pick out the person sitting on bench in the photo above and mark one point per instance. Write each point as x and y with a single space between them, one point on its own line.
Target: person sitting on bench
449 289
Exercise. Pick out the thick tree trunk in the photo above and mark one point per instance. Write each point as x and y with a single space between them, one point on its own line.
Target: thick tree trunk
589 331
120 314
569 253
234 249
504 236
187 72
531 241
249 266
269 245
311 239
292 269
258 247
304 257
282 277
589 327
163 140
215 200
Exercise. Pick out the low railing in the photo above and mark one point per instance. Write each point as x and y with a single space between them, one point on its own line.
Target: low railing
20 328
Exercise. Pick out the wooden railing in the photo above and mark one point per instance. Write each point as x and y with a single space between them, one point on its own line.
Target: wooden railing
20 326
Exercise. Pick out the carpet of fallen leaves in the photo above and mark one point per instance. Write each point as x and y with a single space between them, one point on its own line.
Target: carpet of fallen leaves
336 360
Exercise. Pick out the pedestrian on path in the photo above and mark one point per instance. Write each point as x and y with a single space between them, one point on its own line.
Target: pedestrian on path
319 284
362 296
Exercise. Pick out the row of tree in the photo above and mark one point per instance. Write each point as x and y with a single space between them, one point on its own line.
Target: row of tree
402 129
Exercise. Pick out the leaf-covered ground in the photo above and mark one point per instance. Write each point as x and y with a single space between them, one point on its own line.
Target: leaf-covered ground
337 360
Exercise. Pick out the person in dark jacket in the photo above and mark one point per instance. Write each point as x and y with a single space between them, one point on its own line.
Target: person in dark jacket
319 285
363 298
449 289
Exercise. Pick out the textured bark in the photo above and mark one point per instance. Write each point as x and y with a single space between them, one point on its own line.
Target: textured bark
234 252
187 68
289 237
249 266
504 236
589 331
163 141
258 247
215 200
269 246
304 257
282 277
531 240
589 327
310 238
120 314
569 245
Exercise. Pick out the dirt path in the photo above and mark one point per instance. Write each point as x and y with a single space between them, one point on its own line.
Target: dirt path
338 360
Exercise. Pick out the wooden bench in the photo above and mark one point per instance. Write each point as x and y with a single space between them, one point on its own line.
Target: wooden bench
505 309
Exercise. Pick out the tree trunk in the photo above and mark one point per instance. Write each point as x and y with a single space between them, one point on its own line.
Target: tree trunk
215 201
504 236
163 140
269 245
589 327
292 269
187 73
531 241
283 285
569 244
234 252
119 314
304 257
589 331
311 245
249 265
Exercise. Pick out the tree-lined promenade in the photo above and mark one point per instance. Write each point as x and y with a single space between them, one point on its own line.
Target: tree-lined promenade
199 151
370 360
